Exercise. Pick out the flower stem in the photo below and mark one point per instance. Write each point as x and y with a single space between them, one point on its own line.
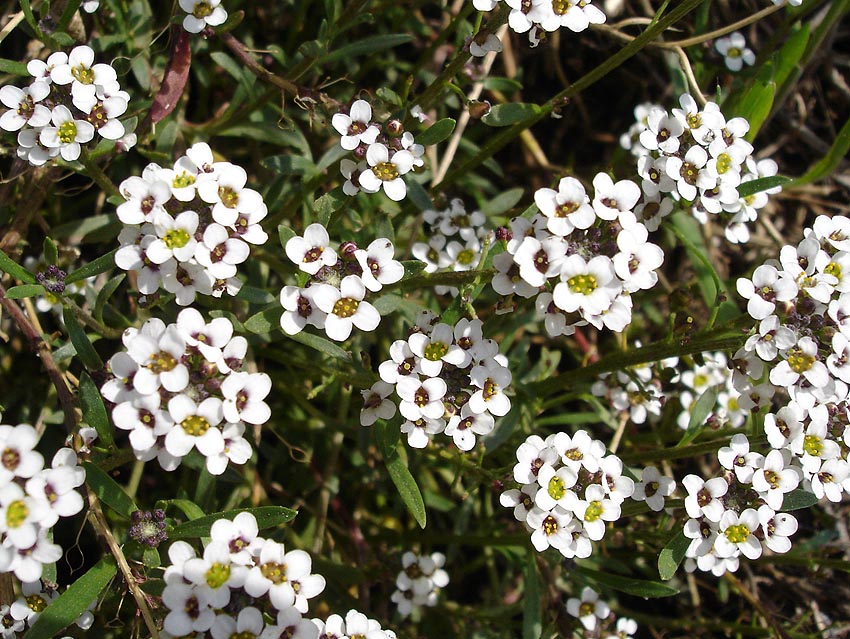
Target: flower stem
97 175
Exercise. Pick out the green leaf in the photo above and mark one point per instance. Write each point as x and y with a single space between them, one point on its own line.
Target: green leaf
289 164
95 267
413 267
798 499
265 321
85 351
505 85
629 585
699 413
13 67
255 295
826 165
672 555
68 13
366 46
755 104
437 132
407 488
25 290
745 189
321 344
386 437
789 56
503 202
105 293
150 558
328 204
532 623
285 234
62 39
108 491
94 410
51 254
64 610
189 508
10 266
507 114
419 196
267 517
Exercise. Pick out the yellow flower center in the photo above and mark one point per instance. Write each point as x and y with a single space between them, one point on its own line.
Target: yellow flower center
183 180
560 7
196 426
162 362
83 74
228 197
724 163
345 307
594 511
67 132
813 445
799 361
556 488
385 171
435 351
275 573
16 513
202 10
466 256
737 534
217 575
582 284
176 238
36 603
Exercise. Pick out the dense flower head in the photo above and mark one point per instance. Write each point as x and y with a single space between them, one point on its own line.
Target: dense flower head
419 582
449 379
455 239
693 158
69 101
333 298
581 257
32 499
568 490
179 387
189 227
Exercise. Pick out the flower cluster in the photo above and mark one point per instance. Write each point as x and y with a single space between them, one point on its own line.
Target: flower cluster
596 618
384 152
450 379
596 251
569 490
18 617
32 499
207 594
333 298
189 226
70 99
636 393
537 16
800 348
180 387
149 528
713 375
739 513
203 14
240 581
454 241
419 582
696 159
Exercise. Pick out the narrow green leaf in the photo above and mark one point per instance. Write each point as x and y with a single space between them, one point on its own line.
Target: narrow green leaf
789 56
366 46
419 196
629 585
798 499
51 254
95 267
505 85
68 13
386 437
745 189
105 293
511 113
62 39
265 321
755 104
699 413
532 623
322 345
407 488
672 555
413 267
25 290
289 164
10 266
285 234
108 491
826 165
437 132
64 610
13 67
94 410
267 517
503 202
189 508
85 351
255 295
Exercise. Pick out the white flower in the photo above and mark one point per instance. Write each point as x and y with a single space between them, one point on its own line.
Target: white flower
243 395
567 208
375 403
311 252
228 194
18 458
492 379
356 127
689 172
213 575
653 488
464 427
345 307
66 134
589 609
21 515
738 458
220 253
285 576
594 510
662 132
736 534
189 610
704 497
550 528
24 107
175 237
555 485
202 14
386 171
249 623
777 528
491 43
299 309
379 267
436 348
734 50
195 426
419 431
588 287
421 398
83 75
615 201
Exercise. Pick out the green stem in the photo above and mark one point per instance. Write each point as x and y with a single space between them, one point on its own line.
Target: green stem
97 175
655 29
